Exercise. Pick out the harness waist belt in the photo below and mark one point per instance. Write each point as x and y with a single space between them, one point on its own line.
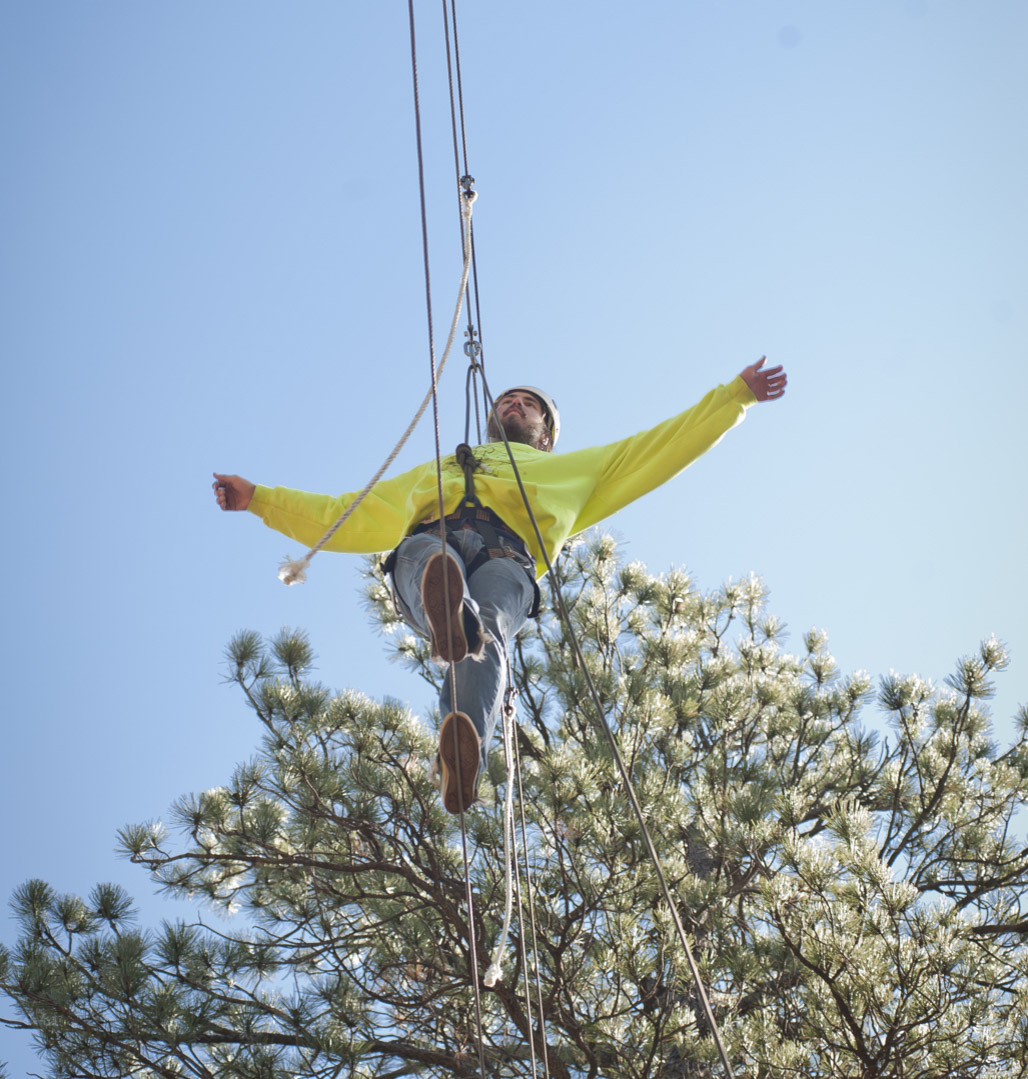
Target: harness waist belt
498 541
489 526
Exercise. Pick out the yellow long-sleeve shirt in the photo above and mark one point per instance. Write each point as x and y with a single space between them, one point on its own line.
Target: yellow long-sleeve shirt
568 492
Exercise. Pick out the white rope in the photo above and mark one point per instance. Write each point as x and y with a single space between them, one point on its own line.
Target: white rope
495 971
295 571
532 976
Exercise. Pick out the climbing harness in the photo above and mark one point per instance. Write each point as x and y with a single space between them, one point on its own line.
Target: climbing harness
499 540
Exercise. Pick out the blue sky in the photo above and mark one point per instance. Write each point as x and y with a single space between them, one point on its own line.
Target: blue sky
210 258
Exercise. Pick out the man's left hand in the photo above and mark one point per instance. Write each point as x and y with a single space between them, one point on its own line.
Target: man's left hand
766 385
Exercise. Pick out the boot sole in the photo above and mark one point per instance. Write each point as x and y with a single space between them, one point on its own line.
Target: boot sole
444 608
458 745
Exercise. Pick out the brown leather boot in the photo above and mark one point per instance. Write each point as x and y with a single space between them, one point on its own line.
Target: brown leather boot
460 754
455 631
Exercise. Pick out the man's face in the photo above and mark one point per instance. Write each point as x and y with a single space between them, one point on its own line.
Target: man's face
523 418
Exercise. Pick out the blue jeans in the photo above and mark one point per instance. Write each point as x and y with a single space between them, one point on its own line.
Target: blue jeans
500 593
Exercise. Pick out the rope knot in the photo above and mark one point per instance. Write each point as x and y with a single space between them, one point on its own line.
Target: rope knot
466 459
292 571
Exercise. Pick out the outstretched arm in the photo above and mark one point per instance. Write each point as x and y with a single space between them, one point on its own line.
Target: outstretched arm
232 492
766 385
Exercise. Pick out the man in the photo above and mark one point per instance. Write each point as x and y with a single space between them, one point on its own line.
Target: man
473 596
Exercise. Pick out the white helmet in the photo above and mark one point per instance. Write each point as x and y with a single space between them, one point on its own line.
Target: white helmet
549 407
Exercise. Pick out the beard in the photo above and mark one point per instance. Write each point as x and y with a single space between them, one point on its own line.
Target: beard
521 429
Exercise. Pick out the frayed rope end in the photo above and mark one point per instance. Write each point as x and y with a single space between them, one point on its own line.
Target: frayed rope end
290 572
493 975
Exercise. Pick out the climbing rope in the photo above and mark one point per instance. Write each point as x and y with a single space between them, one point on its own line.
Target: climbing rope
476 371
536 981
473 344
295 572
512 762
468 198
473 349
615 750
495 971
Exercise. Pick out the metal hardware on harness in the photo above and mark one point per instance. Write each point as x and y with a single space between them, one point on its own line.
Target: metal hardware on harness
468 192
510 694
472 346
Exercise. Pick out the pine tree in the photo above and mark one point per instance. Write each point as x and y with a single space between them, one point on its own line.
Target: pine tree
855 899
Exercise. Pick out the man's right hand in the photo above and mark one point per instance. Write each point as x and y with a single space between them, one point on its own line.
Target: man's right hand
232 492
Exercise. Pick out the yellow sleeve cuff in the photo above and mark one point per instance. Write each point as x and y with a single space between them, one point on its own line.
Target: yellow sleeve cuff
741 392
259 500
